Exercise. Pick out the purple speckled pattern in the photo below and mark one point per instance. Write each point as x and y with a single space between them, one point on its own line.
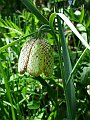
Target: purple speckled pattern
36 57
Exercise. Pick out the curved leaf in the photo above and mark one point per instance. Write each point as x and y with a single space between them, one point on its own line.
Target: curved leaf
69 89
72 27
15 41
34 10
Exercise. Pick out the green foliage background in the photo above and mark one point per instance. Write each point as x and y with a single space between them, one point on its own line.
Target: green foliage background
26 97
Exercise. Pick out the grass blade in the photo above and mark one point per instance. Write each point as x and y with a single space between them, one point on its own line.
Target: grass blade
34 10
68 22
8 91
15 41
69 89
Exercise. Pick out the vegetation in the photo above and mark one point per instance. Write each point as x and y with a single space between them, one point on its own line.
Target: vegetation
66 94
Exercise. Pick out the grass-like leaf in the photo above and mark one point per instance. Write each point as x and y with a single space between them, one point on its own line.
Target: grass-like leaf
34 10
6 24
69 23
69 89
15 41
8 91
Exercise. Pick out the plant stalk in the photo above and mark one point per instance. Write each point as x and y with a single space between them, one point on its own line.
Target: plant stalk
69 89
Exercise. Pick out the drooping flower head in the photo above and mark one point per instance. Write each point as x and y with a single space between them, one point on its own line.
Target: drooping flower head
36 57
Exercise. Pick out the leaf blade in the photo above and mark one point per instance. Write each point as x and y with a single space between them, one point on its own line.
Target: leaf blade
34 10
68 22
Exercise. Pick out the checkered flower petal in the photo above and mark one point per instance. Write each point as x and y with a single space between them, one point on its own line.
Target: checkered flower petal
36 57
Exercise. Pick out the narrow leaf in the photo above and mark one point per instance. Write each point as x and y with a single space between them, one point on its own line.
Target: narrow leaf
68 22
69 89
34 10
15 41
82 15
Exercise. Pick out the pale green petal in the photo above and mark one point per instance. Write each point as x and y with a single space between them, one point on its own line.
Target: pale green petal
24 54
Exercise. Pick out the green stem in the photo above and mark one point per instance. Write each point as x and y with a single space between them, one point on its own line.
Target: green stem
15 41
75 66
8 91
70 90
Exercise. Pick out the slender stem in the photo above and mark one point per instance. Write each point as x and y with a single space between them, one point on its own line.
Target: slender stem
69 91
75 66
15 41
8 91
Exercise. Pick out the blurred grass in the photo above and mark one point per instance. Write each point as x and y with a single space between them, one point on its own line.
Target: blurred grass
28 98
